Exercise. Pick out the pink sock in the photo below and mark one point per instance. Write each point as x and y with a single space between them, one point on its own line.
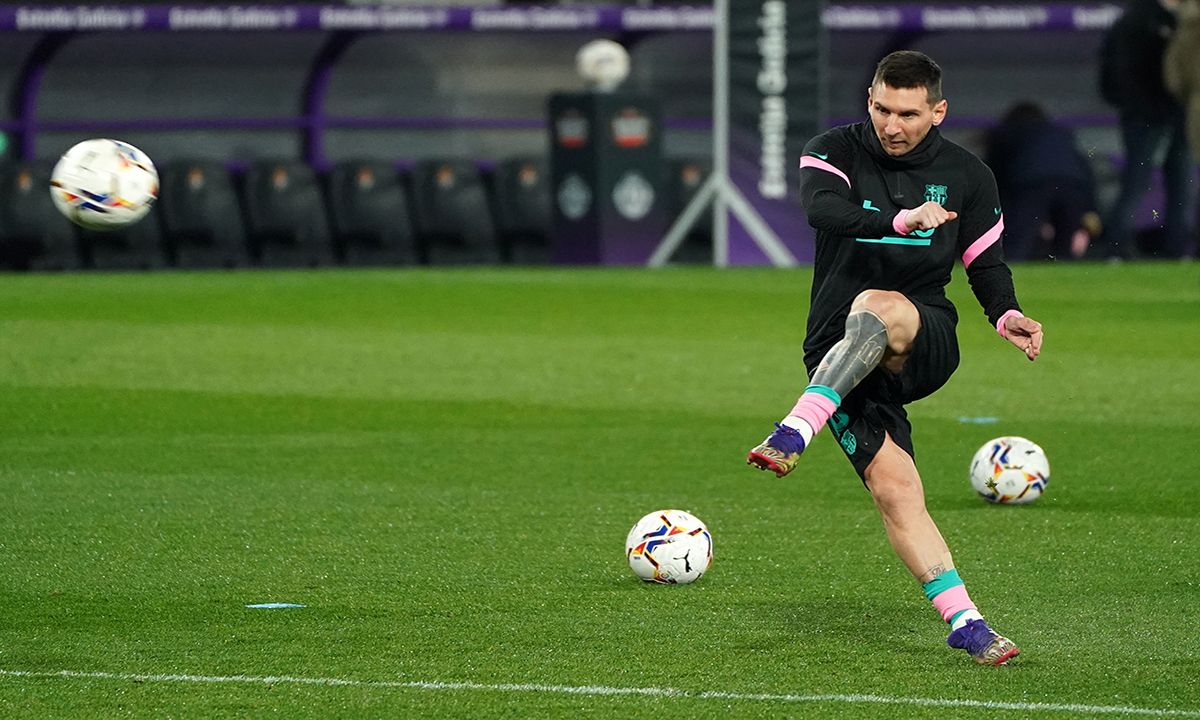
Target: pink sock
952 602
814 409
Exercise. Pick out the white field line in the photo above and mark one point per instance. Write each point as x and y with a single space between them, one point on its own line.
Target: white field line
613 691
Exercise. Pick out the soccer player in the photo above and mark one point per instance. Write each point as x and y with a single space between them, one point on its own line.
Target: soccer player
894 203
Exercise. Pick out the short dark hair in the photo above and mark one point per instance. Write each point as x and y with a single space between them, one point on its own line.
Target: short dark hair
910 69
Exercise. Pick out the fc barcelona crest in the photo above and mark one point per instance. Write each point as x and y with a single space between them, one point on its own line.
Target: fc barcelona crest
935 193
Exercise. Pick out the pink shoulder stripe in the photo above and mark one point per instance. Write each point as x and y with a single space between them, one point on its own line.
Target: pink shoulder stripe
818 163
989 238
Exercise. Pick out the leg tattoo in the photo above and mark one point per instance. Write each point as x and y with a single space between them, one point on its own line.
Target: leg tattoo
843 367
933 572
855 355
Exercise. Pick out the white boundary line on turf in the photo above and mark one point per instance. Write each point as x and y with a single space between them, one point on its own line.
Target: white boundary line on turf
609 691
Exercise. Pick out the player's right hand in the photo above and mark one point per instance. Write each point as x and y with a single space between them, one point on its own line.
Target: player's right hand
929 215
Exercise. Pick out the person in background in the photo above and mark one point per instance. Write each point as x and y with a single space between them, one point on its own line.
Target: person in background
1045 182
1131 80
1181 69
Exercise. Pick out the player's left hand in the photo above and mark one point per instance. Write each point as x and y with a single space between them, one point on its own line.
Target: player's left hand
1026 334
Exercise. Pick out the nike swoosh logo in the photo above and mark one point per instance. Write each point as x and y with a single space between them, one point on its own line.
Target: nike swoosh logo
819 155
997 211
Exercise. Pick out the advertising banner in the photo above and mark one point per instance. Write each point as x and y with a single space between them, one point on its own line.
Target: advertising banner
776 103
606 170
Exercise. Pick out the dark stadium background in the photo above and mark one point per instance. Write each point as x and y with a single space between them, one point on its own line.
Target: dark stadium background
481 96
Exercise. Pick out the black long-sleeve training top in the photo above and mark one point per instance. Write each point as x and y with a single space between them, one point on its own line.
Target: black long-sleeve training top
856 196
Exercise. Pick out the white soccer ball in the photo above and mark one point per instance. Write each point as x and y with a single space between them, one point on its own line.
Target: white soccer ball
1010 470
603 63
670 547
104 184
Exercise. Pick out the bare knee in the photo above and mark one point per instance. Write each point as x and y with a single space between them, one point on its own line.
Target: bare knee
895 484
897 313
895 493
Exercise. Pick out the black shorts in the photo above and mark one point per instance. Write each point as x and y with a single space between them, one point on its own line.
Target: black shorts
875 407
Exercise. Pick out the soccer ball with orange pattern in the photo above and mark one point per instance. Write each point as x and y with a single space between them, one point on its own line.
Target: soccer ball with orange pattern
671 547
1010 470
103 184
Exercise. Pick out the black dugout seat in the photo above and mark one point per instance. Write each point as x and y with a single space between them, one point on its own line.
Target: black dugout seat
201 217
285 215
34 235
523 210
369 213
453 216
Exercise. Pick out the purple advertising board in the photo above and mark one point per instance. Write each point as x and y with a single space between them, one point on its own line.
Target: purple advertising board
844 17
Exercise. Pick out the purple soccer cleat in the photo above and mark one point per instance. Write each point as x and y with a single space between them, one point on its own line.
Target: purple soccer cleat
780 452
983 643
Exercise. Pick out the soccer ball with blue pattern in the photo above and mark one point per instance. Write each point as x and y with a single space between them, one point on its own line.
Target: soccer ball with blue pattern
1010 470
104 184
670 547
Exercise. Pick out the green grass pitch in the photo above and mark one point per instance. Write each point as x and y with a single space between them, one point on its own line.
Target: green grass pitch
442 465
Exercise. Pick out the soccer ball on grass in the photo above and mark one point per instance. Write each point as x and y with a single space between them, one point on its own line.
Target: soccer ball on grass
1010 470
104 184
670 547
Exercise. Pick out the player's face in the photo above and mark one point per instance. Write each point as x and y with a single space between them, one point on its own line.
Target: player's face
902 116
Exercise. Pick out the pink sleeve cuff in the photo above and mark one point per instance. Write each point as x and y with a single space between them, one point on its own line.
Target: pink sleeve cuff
899 224
1003 319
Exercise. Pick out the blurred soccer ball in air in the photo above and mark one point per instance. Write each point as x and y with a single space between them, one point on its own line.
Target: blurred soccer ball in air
604 64
103 184
1010 470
